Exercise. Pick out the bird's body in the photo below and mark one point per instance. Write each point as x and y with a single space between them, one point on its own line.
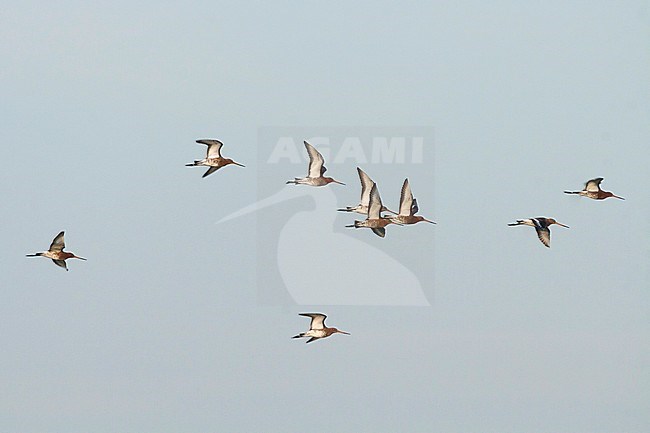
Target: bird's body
375 221
213 159
364 204
317 328
592 190
408 207
316 170
541 225
56 252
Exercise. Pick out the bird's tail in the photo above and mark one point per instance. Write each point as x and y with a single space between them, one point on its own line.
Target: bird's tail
295 181
572 192
192 164
34 255
519 222
356 224
346 209
299 335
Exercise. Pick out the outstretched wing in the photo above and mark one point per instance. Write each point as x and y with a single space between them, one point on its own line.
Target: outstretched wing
366 186
317 320
60 263
210 171
406 199
593 185
544 235
58 243
414 207
214 147
316 161
374 208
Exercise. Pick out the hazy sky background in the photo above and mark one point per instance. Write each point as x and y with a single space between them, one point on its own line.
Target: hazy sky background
161 330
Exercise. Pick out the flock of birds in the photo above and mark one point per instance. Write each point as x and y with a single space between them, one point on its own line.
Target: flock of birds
377 215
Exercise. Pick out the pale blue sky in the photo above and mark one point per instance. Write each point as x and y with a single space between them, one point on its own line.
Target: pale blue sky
162 329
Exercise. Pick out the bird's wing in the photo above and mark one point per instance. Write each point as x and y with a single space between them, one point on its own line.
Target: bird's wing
317 320
58 244
60 263
312 339
316 161
210 171
374 208
593 185
379 231
544 235
414 207
214 147
406 199
366 186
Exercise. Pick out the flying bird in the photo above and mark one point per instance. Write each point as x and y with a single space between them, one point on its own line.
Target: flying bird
366 186
375 221
408 207
56 252
317 328
316 170
592 190
541 225
213 159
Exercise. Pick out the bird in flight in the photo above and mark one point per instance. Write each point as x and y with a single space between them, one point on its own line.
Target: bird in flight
213 159
375 221
366 186
541 225
56 252
316 170
317 328
592 190
408 207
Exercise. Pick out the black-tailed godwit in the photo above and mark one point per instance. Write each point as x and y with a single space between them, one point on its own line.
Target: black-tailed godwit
317 328
213 159
366 186
408 207
375 221
56 252
316 170
541 225
592 190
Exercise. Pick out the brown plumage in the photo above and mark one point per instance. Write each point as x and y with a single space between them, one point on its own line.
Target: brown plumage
213 159
56 252
315 171
592 190
366 186
317 328
408 207
541 225
375 221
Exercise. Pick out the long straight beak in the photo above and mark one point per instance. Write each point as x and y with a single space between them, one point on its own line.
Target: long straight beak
560 224
385 209
343 332
236 163
429 221
80 258
336 181
615 196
